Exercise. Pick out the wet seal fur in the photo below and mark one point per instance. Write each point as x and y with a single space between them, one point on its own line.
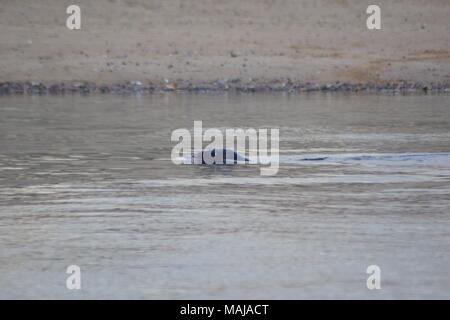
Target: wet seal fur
219 157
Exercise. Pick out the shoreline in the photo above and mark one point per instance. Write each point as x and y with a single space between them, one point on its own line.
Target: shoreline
225 85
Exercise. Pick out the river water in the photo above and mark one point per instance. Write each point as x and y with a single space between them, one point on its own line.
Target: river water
87 180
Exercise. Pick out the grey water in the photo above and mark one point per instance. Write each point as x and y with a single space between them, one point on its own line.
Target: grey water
87 180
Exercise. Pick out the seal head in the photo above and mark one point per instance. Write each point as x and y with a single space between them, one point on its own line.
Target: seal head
220 157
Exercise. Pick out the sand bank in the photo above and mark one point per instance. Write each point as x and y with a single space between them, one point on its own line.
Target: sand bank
174 44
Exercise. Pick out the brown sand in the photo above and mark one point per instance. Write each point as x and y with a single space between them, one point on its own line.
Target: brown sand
204 40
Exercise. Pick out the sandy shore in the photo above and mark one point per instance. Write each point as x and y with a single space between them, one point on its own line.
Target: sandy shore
171 44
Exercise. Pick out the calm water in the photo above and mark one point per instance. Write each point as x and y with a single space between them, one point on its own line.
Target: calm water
87 180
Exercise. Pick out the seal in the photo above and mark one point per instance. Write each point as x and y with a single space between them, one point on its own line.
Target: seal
220 157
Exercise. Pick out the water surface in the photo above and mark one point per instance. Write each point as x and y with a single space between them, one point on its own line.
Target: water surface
363 179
